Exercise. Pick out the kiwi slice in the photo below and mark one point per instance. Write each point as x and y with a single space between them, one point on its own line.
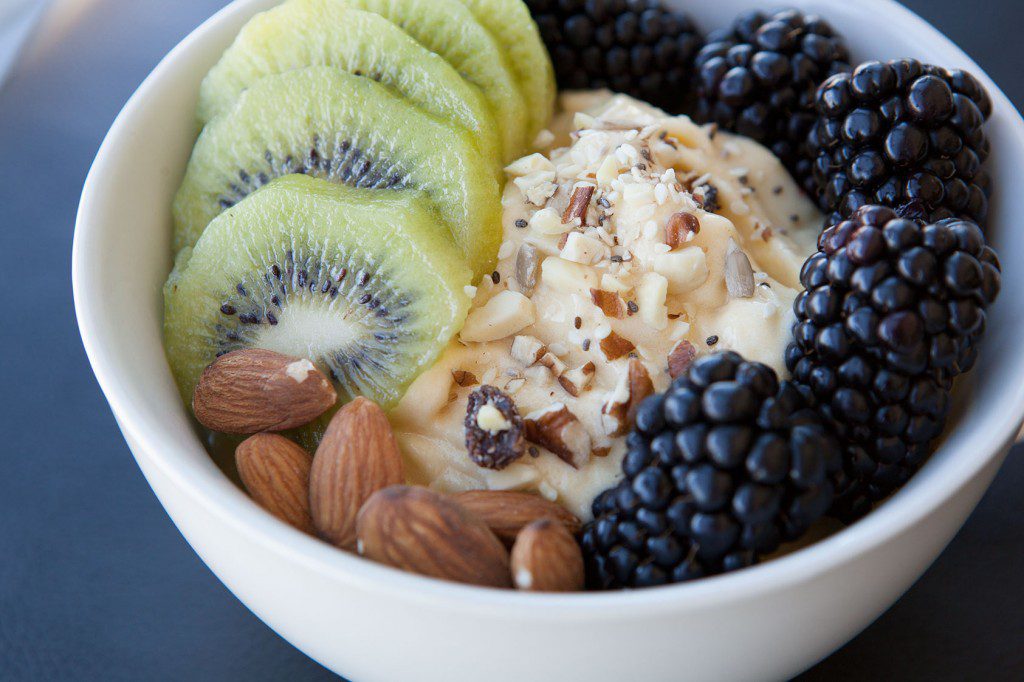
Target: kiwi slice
359 281
511 25
301 33
328 123
448 28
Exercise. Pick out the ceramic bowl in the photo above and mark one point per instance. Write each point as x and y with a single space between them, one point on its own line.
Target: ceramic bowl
369 622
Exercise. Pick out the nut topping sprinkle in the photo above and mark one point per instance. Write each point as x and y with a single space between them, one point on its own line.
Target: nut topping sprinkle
680 357
614 346
619 410
576 380
680 229
578 204
558 430
464 378
609 302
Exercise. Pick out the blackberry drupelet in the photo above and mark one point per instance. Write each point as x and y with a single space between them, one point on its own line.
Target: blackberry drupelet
891 312
758 78
720 469
901 134
637 47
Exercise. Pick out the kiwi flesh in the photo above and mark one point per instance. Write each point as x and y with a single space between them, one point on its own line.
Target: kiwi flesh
359 281
511 25
301 33
328 123
449 29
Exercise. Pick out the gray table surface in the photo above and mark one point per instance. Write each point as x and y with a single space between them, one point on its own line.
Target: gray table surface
95 581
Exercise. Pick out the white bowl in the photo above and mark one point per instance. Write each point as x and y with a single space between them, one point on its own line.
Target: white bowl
370 622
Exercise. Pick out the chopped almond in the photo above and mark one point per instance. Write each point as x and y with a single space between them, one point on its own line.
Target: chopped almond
578 204
680 357
558 430
614 346
619 411
527 350
680 227
464 378
610 303
575 380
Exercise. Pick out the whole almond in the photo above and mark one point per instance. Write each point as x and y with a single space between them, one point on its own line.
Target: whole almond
275 472
424 532
357 457
252 390
506 512
546 558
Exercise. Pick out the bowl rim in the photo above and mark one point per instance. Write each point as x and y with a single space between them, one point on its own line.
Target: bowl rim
901 512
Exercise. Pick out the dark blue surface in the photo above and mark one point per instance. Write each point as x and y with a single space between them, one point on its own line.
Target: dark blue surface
96 583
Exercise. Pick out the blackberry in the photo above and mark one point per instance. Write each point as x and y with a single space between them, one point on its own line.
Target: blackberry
758 78
637 47
907 296
720 469
891 312
887 422
901 134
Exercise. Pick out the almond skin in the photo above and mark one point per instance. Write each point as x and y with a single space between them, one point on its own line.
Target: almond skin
424 532
251 390
506 512
357 456
275 471
546 558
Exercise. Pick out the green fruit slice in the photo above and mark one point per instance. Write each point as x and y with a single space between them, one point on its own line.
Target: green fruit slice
328 123
303 33
448 28
511 25
361 282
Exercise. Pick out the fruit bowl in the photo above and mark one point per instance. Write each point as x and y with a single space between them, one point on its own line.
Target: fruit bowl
371 622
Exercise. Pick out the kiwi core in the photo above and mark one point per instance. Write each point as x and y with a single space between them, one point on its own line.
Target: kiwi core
307 330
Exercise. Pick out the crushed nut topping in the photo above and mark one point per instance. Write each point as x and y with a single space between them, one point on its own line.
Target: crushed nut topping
619 410
578 204
493 449
707 196
527 350
558 430
576 380
463 378
609 302
680 357
614 346
551 361
680 229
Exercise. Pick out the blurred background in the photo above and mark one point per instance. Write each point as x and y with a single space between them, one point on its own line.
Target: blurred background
95 581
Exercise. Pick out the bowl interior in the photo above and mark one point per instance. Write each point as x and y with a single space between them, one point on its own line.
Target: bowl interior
121 259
